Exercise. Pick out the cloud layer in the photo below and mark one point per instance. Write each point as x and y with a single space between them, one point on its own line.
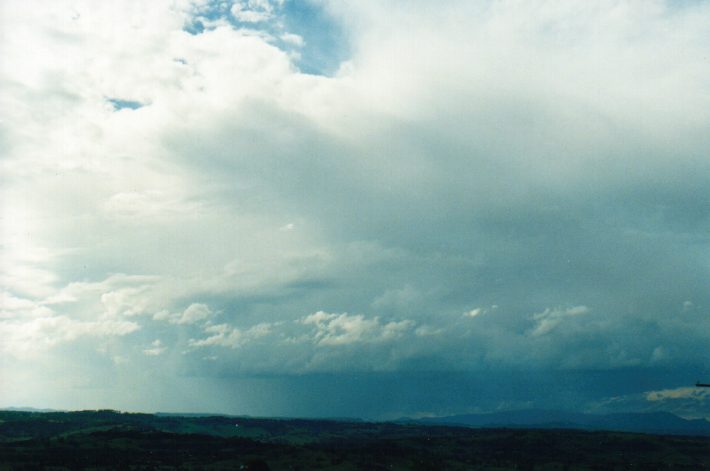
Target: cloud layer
479 187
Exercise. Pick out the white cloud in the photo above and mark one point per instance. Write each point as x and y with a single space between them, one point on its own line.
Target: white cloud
699 394
125 302
115 296
12 307
225 335
344 329
25 339
293 39
156 348
78 310
195 312
252 11
549 319
396 329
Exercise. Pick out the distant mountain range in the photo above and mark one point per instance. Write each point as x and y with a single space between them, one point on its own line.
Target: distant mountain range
29 409
652 422
648 422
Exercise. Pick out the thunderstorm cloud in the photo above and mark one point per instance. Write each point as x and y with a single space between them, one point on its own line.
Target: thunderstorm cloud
355 208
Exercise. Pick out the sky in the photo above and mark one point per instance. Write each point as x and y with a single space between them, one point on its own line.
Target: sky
366 208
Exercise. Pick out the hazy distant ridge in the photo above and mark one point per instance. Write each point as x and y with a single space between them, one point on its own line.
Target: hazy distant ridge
651 422
29 409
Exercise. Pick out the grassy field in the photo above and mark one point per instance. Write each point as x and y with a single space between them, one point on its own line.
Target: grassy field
108 440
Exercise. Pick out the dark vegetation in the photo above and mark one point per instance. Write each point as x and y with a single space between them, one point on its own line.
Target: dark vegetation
109 440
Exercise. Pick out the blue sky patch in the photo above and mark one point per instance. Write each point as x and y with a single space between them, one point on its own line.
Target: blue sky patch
324 43
119 104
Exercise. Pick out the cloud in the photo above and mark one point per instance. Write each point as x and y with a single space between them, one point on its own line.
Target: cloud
549 319
124 301
116 296
293 39
12 307
328 330
252 11
224 335
344 329
399 299
544 159
156 348
195 312
147 203
79 310
678 393
687 402
26 339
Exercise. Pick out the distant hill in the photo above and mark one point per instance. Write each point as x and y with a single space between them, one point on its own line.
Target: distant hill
28 409
653 422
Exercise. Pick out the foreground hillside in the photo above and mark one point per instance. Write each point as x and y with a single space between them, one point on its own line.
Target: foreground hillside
106 440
